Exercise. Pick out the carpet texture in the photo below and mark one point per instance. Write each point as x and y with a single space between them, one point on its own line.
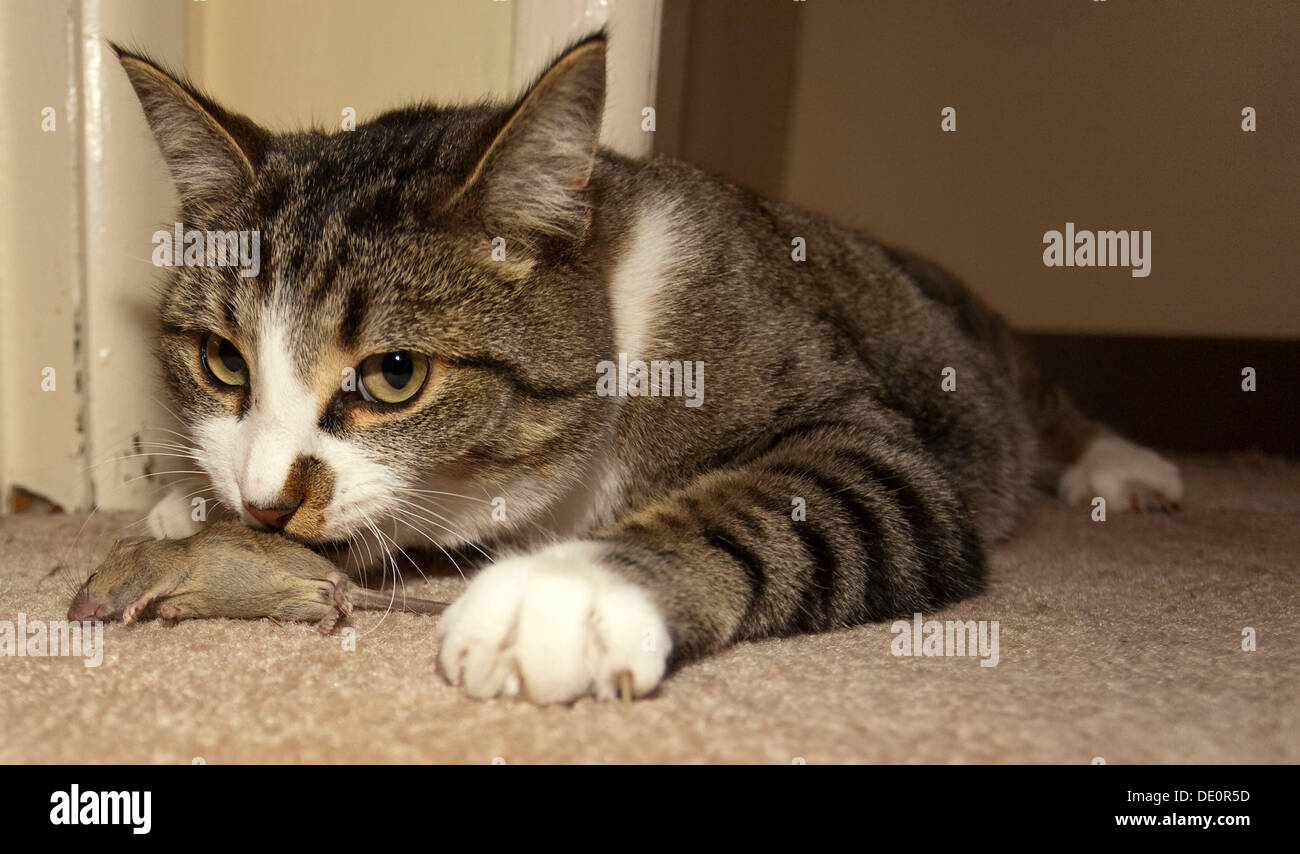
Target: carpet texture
1119 639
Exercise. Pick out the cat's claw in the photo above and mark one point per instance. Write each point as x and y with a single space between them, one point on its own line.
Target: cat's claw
554 626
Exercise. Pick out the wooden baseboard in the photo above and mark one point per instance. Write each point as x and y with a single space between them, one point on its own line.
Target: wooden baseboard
1182 394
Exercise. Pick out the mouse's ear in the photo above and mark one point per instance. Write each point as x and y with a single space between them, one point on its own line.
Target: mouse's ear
127 542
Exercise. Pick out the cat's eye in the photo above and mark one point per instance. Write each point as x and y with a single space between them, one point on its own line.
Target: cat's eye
394 377
224 362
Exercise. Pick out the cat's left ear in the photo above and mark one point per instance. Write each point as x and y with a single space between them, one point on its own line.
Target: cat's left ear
532 180
211 152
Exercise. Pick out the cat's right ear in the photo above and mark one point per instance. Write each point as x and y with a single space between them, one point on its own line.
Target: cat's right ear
212 154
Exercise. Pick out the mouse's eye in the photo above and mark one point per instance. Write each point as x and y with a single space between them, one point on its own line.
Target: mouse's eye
394 377
223 363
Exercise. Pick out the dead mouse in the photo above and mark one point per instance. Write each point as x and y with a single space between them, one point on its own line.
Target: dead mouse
227 570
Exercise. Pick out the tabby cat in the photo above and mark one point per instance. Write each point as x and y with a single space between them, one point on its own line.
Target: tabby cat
424 360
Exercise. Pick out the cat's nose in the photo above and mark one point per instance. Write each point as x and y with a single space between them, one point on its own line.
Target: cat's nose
272 517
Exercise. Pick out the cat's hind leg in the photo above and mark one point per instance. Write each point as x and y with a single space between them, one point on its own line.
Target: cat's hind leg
1127 475
1083 460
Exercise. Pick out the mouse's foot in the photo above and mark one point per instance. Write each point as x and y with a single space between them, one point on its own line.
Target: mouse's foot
325 625
168 611
132 612
342 603
342 584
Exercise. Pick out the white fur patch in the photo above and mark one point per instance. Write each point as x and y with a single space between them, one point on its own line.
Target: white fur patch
171 518
637 287
281 423
553 626
638 282
364 490
1128 476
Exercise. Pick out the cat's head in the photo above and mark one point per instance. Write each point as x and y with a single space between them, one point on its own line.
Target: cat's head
423 320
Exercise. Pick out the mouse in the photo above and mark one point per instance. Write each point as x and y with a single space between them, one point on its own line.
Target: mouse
227 570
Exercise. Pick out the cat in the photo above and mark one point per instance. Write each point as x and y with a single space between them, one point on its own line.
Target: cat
416 363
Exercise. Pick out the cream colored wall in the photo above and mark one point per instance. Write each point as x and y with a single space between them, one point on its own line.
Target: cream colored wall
297 63
545 27
1110 115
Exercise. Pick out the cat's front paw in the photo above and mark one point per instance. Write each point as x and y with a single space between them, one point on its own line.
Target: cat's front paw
171 519
553 626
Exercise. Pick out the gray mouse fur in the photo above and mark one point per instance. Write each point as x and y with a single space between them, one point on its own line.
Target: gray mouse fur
227 570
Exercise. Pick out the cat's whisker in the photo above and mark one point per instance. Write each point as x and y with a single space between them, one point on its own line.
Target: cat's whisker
137 447
413 507
396 576
384 555
370 558
149 454
547 534
449 494
168 446
388 556
393 539
411 515
424 534
155 474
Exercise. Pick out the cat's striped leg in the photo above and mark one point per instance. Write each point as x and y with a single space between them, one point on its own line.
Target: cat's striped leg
824 530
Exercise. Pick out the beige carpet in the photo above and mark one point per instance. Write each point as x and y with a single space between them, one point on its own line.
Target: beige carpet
1120 640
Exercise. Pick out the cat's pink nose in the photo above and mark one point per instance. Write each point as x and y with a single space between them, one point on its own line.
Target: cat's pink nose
272 517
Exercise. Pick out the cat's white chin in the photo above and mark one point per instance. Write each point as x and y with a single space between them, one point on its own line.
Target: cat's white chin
553 626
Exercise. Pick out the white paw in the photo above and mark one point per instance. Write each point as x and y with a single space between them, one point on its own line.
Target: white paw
1128 476
553 626
170 518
